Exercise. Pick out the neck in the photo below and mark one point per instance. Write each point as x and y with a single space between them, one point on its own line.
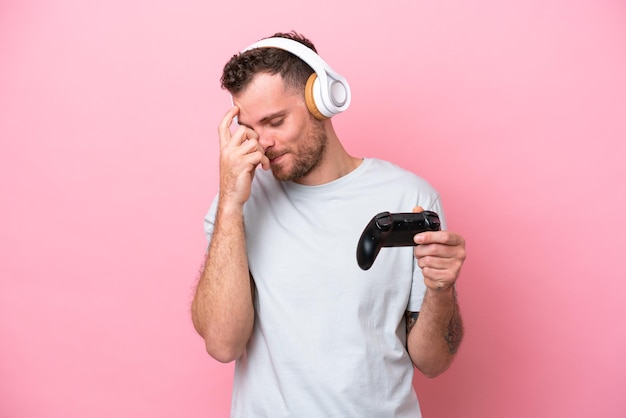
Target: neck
335 164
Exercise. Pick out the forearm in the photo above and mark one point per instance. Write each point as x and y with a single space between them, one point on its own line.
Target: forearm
222 309
436 336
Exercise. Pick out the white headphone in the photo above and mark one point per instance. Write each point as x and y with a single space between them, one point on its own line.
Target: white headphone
327 93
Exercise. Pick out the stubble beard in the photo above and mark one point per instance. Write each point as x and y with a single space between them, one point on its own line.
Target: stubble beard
311 150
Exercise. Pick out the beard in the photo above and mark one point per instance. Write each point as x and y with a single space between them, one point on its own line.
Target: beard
310 151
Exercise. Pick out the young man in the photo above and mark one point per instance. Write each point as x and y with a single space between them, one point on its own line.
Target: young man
281 292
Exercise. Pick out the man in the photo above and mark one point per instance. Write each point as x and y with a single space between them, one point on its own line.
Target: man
281 292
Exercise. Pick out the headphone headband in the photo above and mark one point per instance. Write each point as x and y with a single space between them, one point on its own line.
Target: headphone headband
330 91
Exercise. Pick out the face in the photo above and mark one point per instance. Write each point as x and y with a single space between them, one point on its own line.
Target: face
294 141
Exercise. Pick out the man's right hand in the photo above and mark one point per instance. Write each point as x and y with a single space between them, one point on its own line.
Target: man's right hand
240 154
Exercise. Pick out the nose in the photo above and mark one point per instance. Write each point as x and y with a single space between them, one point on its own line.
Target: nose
266 139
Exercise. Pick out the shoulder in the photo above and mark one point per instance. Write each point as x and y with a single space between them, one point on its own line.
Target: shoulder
388 171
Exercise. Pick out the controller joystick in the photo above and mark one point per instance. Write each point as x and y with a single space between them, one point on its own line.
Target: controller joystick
392 230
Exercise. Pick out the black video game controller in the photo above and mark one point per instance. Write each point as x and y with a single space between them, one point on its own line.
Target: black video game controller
393 230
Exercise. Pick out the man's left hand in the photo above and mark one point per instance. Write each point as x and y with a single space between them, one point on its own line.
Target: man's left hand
440 255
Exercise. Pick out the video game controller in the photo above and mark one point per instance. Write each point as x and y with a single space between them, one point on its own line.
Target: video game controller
393 230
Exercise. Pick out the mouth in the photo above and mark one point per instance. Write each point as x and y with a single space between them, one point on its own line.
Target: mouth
275 158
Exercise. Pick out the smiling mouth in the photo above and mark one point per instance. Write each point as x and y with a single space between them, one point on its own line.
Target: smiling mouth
274 157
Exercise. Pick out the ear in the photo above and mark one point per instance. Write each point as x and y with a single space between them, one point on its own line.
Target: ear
309 97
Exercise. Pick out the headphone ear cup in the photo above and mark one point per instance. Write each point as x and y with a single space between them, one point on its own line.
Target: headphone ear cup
309 97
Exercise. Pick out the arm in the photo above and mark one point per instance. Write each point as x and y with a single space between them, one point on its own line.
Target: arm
435 335
222 308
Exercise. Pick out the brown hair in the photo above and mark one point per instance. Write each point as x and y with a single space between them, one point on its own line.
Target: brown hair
241 68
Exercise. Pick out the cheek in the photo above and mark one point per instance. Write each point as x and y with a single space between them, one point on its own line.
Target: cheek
290 136
295 130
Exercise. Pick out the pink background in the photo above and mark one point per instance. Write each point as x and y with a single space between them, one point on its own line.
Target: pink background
515 111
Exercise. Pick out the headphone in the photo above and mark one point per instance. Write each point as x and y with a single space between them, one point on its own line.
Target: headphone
326 93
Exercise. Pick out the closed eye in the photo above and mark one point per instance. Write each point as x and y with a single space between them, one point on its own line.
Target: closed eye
275 123
274 120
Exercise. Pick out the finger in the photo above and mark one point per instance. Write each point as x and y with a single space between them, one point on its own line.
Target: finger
251 134
263 159
435 262
251 145
441 276
254 159
440 256
439 237
243 133
439 250
265 162
223 128
418 209
239 137
252 152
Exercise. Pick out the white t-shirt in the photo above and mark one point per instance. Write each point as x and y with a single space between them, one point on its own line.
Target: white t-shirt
329 338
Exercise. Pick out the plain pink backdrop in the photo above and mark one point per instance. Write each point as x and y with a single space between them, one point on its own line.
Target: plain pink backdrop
515 111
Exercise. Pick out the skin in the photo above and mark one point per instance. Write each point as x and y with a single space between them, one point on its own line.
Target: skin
435 333
277 132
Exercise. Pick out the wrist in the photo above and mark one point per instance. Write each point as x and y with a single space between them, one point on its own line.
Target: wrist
229 208
440 289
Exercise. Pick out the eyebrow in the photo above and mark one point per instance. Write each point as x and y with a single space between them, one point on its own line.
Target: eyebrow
267 118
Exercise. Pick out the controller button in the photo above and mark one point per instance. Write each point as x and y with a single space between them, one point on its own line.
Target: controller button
383 222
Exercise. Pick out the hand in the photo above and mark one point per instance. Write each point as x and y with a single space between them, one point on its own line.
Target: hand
240 154
440 255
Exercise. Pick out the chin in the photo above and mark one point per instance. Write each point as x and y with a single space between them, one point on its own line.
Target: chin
280 174
292 170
